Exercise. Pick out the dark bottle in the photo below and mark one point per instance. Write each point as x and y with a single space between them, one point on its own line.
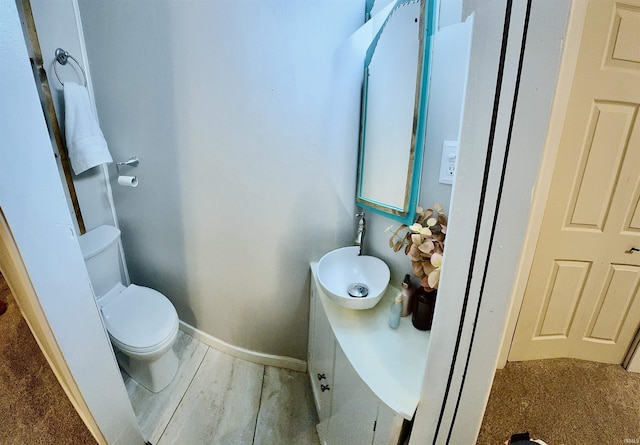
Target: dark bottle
424 301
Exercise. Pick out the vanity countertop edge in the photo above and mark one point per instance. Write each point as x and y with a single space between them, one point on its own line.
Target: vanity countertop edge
391 362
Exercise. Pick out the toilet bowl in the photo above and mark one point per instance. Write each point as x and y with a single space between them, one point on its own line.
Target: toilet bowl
141 322
143 326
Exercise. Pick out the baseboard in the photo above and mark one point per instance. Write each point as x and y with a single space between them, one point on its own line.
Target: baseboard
260 358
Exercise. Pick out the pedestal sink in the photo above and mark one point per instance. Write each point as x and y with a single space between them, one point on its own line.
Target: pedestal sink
351 280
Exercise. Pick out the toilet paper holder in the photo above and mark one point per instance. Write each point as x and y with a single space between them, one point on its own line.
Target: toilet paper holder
127 181
131 162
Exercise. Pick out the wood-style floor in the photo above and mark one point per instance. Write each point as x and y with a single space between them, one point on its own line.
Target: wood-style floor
214 398
219 399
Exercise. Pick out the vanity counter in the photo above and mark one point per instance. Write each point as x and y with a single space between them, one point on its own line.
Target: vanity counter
391 362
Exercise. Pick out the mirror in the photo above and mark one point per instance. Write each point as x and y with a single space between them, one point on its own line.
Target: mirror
393 114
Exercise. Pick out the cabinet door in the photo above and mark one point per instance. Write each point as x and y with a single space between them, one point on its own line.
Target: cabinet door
354 408
321 357
388 426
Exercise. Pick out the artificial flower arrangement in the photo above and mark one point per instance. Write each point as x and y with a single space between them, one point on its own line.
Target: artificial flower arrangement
423 243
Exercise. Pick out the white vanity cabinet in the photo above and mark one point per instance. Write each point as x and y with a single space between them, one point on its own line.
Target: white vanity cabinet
365 376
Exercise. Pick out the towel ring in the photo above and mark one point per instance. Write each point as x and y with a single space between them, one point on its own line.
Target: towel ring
62 57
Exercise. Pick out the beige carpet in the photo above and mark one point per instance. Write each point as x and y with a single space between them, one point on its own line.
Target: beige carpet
33 406
563 402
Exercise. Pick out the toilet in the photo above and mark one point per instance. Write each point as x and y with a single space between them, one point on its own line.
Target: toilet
141 322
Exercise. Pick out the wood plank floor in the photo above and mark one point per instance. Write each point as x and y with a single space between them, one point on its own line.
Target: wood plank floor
219 399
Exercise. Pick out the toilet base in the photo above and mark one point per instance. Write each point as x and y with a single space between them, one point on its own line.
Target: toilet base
154 375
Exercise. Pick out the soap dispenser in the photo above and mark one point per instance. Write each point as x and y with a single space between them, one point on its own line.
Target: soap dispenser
407 295
394 313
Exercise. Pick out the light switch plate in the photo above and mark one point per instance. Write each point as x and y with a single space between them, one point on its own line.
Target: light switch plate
448 162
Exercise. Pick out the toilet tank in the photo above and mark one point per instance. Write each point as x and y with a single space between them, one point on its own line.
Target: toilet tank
100 251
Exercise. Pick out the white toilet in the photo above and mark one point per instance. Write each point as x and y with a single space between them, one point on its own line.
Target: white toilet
142 323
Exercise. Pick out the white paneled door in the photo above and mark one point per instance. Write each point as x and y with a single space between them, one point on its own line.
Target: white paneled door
581 298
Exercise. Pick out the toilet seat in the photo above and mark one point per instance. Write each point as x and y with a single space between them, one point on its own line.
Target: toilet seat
140 320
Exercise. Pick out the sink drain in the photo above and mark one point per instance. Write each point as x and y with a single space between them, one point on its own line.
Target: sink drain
358 290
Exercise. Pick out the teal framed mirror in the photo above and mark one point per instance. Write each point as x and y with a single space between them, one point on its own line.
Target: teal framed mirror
394 108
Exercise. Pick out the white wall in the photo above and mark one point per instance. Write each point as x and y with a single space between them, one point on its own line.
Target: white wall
247 147
32 200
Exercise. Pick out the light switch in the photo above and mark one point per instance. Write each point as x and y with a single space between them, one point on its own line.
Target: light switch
448 162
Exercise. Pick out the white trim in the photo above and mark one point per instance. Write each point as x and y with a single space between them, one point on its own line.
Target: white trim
83 52
43 232
632 361
260 358
542 187
104 168
17 277
478 272
440 388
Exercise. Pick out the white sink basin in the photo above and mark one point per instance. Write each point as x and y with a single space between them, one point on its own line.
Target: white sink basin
342 272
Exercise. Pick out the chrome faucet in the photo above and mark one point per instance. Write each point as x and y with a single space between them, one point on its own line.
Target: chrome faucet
362 228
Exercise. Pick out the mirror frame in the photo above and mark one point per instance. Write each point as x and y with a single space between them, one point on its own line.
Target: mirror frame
405 215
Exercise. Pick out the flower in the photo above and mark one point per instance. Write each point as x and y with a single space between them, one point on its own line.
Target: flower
423 244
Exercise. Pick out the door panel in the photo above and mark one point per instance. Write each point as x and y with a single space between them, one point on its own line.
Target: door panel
602 154
581 298
565 289
619 290
623 51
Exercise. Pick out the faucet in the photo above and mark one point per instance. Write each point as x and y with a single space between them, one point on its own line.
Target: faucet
362 228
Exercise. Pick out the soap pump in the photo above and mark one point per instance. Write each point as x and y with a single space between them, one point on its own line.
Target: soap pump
394 313
407 295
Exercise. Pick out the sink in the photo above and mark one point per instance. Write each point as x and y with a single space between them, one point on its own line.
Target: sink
351 280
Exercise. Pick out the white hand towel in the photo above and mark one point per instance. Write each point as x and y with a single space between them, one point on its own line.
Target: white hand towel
85 141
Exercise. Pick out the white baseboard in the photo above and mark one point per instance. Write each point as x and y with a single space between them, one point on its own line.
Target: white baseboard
260 358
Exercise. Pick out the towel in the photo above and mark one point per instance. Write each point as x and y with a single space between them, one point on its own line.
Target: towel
85 141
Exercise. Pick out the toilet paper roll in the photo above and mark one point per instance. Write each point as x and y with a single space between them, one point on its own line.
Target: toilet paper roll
128 181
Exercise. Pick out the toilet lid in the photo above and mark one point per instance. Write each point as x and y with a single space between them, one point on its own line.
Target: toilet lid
140 317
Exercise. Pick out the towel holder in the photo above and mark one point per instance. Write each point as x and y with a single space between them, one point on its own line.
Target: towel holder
62 57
